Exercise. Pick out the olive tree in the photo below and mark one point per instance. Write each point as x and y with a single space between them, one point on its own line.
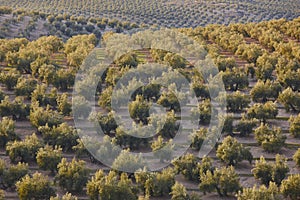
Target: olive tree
14 173
231 152
204 112
25 86
263 112
296 157
36 187
81 107
234 79
72 175
62 135
295 125
40 116
265 91
179 192
267 193
10 78
63 105
162 150
48 158
237 102
111 186
188 166
128 162
274 172
291 187
245 126
224 181
24 151
139 110
7 131
271 140
290 100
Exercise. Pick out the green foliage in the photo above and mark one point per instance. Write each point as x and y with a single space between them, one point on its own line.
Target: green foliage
174 60
250 52
179 192
2 166
234 79
23 151
72 175
263 111
289 77
265 91
225 63
290 100
10 78
48 158
161 184
46 73
67 196
63 105
64 79
80 107
274 172
197 138
36 187
296 157
228 123
260 193
13 174
291 187
61 135
231 152
7 131
139 110
271 140
127 60
162 150
5 10
245 126
105 98
107 122
136 137
200 89
25 86
44 98
224 181
265 66
166 124
17 109
111 187
237 101
188 166
128 162
40 116
170 100
78 47
204 111
295 125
